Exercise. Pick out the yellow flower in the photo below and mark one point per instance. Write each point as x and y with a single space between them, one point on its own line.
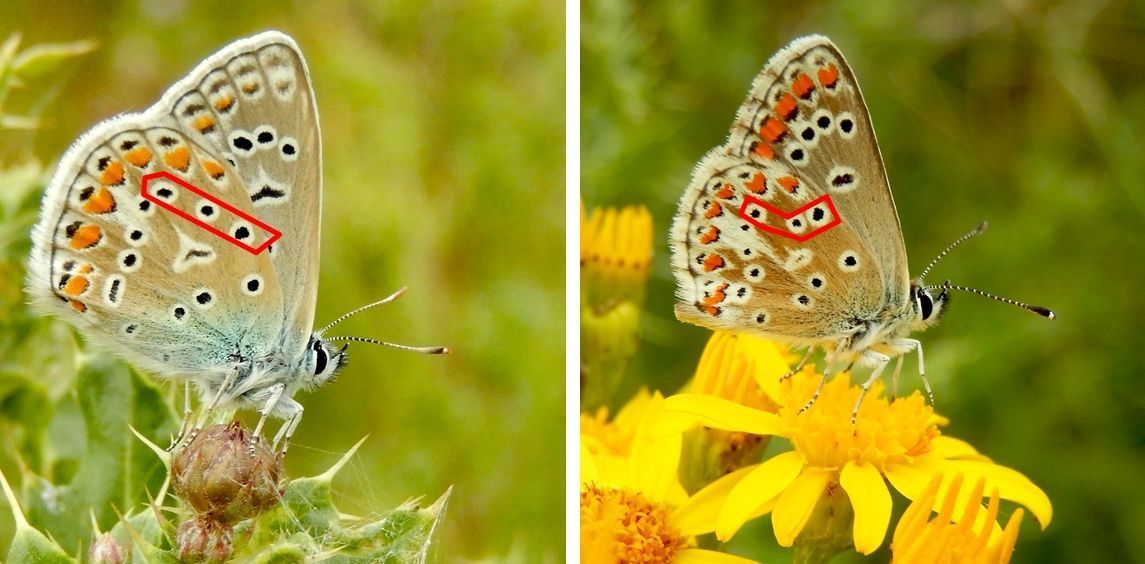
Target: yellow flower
729 368
630 498
918 540
615 254
896 441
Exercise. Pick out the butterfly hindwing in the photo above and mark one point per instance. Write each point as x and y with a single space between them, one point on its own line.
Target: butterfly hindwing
788 229
253 104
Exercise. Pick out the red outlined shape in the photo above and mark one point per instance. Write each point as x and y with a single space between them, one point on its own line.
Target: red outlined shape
749 199
274 233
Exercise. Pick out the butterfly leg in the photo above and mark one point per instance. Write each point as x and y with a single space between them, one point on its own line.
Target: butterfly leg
916 345
822 380
292 412
274 395
183 425
228 383
895 378
798 366
880 362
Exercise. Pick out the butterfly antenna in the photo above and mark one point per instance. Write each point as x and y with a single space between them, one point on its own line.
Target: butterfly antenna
423 350
1042 311
385 300
977 231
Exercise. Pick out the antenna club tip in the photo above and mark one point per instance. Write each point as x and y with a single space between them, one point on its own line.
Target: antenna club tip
1044 312
447 350
982 226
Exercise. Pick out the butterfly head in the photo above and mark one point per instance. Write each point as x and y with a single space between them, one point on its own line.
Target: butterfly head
323 361
926 305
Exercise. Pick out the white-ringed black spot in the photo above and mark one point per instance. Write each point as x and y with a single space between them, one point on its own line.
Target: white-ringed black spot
129 260
755 214
242 233
289 149
747 252
178 312
797 154
252 285
741 292
803 299
761 318
135 235
817 214
207 210
846 125
796 223
842 180
204 297
265 137
808 134
823 122
164 193
745 227
242 143
113 290
816 282
145 206
849 261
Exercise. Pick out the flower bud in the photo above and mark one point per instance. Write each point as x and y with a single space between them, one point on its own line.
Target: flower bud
219 476
105 550
203 540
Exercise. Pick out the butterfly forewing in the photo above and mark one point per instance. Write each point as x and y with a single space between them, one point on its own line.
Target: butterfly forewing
254 106
789 229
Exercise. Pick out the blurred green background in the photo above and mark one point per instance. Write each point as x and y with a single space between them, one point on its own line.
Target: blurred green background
1030 115
443 125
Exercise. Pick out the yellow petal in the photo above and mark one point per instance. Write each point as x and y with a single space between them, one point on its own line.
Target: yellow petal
719 413
758 487
872 503
653 463
1011 484
700 556
796 503
950 447
698 515
588 471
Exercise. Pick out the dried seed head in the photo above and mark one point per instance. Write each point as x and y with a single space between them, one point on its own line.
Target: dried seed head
221 479
203 540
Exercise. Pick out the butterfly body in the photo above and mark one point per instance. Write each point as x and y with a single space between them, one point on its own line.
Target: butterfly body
789 231
156 274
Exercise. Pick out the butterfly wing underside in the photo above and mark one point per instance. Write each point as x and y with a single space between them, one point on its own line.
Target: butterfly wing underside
788 229
147 274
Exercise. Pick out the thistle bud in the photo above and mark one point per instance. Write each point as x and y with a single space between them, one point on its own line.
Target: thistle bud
219 476
203 540
105 550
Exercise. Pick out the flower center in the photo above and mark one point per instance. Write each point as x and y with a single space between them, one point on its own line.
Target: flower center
885 431
623 526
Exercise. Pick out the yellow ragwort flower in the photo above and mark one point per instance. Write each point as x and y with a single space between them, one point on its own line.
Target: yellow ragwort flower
729 368
897 441
615 253
630 500
951 540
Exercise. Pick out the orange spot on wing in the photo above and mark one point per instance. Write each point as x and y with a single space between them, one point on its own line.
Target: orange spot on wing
711 310
803 86
250 87
711 234
204 123
76 285
758 184
77 305
139 156
224 103
717 296
179 158
86 268
213 169
787 107
726 191
772 130
763 150
112 175
713 262
102 202
789 182
86 237
715 210
829 76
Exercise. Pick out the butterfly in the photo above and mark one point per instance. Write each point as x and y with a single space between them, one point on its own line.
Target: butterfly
185 237
788 230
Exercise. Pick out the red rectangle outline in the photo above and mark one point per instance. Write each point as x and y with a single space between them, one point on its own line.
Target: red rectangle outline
274 233
749 199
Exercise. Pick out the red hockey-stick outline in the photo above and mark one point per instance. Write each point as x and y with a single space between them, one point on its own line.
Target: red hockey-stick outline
274 233
748 200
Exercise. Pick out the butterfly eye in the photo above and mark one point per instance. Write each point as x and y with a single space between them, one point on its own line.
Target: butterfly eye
320 358
925 304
